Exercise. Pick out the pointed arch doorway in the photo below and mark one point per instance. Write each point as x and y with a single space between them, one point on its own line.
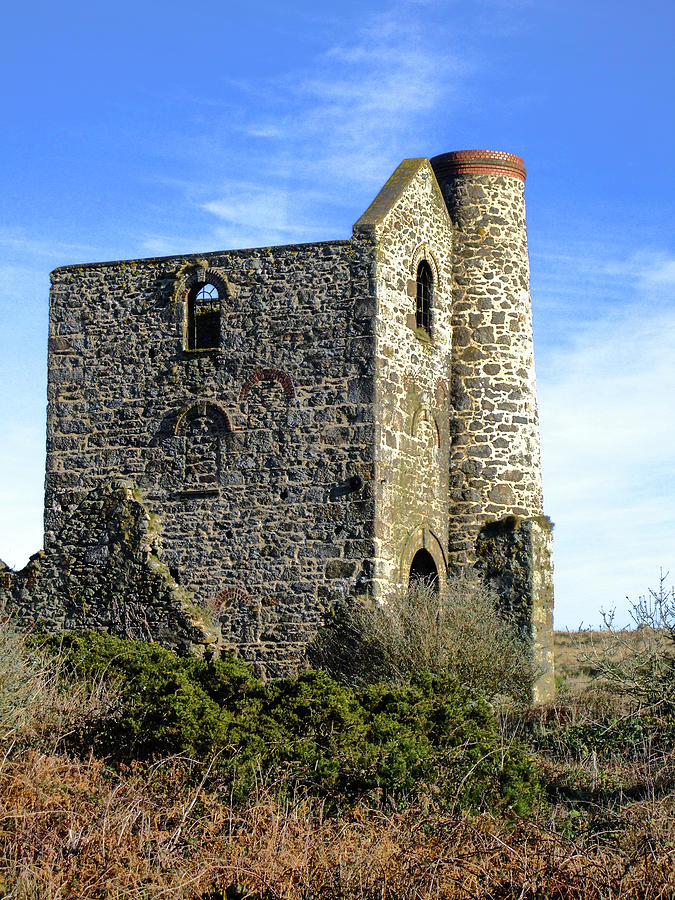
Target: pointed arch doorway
423 570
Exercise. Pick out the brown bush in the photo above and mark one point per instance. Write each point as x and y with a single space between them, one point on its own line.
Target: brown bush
39 702
79 830
459 632
639 662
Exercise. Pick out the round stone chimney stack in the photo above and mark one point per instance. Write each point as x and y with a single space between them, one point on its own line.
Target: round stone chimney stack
495 465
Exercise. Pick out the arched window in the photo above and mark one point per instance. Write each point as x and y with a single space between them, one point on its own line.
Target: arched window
266 394
202 452
425 292
266 404
203 317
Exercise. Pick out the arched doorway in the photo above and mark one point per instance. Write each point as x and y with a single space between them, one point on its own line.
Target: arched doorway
423 571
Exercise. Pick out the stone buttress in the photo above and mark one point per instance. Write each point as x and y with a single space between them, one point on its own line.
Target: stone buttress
410 226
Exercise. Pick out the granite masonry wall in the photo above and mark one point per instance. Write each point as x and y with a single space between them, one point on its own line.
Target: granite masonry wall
495 464
413 371
256 456
106 573
514 556
222 489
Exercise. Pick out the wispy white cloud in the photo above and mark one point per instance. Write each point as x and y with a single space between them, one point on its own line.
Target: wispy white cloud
256 207
368 98
649 269
662 273
340 120
264 131
17 242
252 208
607 402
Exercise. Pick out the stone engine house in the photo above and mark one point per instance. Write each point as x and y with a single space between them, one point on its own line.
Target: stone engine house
237 439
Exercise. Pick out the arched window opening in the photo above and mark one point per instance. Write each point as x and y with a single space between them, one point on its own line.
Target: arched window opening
266 403
203 317
423 571
425 291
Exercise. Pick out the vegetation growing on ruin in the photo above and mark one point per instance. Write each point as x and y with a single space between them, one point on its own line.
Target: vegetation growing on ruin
430 734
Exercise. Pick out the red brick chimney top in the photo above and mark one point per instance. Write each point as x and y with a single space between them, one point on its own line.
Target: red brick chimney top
478 162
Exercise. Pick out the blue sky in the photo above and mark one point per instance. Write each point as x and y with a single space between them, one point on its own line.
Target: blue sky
141 129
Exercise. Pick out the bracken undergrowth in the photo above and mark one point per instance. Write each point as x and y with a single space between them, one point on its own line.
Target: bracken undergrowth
126 772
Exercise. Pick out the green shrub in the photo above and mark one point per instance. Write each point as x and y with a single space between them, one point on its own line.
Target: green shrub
433 731
164 704
623 737
427 738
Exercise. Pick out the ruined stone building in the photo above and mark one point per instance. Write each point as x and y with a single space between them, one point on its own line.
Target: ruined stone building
236 439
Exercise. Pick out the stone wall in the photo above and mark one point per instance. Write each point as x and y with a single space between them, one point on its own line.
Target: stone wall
412 374
257 455
311 440
514 556
107 574
303 459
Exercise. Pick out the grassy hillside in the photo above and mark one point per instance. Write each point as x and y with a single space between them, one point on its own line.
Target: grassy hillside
578 654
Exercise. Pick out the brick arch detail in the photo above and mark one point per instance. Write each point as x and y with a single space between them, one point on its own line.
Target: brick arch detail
204 275
425 414
441 390
231 595
422 251
268 375
205 408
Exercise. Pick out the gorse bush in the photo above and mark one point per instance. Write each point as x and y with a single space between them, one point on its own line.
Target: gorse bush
429 738
164 704
206 783
459 633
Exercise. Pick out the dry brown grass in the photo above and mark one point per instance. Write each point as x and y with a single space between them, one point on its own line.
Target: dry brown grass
460 632
575 653
570 649
75 830
38 700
